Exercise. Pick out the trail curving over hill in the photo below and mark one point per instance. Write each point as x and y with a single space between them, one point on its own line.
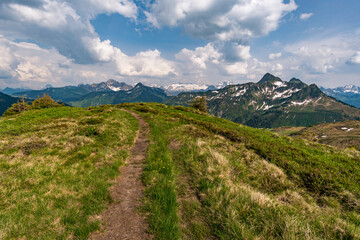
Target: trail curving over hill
122 219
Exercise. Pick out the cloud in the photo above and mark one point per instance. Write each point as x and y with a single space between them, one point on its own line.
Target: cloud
52 14
7 59
234 52
210 64
200 56
101 50
306 16
227 20
355 59
225 58
273 56
238 68
63 25
147 63
321 56
125 8
27 71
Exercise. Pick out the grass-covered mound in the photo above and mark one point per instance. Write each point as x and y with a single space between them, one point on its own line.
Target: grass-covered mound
55 169
211 178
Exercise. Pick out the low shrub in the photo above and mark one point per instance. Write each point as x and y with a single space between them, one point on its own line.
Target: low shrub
22 105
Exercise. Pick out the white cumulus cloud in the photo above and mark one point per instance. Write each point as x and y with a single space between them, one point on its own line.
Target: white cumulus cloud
7 59
64 25
227 20
273 56
200 56
238 68
148 63
355 59
306 16
30 72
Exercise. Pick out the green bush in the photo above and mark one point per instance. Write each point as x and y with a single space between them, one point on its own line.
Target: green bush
200 104
21 106
44 102
18 107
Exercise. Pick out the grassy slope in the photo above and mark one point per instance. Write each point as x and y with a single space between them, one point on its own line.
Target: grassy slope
55 167
236 182
205 177
341 134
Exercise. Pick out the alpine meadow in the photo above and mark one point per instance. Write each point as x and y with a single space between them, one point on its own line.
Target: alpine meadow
179 120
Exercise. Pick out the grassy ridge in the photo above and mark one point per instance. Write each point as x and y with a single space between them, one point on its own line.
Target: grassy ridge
245 183
55 167
205 177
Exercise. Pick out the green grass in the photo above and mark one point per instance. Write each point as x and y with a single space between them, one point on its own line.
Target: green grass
158 177
205 177
55 169
236 182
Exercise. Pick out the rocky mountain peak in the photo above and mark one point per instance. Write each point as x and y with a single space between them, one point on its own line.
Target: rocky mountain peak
269 78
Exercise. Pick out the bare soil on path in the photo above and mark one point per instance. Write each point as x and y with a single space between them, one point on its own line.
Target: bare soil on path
122 220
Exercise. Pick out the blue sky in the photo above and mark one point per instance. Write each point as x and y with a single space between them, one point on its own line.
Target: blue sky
160 42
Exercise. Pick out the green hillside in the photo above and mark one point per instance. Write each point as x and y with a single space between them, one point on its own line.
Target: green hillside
55 167
204 177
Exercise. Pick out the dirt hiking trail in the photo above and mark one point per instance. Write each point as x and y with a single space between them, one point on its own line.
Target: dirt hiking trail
122 219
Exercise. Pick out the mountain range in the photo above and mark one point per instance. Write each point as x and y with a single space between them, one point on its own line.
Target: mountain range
176 88
109 85
10 91
349 94
139 93
73 93
272 102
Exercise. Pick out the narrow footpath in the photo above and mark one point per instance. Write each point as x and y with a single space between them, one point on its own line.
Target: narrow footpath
122 219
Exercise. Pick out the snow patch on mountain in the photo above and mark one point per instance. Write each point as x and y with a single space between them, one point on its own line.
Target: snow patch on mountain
305 102
287 93
240 93
279 84
176 88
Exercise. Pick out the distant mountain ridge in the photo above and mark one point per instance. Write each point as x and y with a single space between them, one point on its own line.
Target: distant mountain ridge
9 91
349 94
65 94
109 85
139 93
6 101
176 88
272 102
73 93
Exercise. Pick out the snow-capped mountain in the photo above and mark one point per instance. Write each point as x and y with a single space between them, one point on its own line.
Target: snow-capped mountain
349 94
346 89
176 88
272 102
109 85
